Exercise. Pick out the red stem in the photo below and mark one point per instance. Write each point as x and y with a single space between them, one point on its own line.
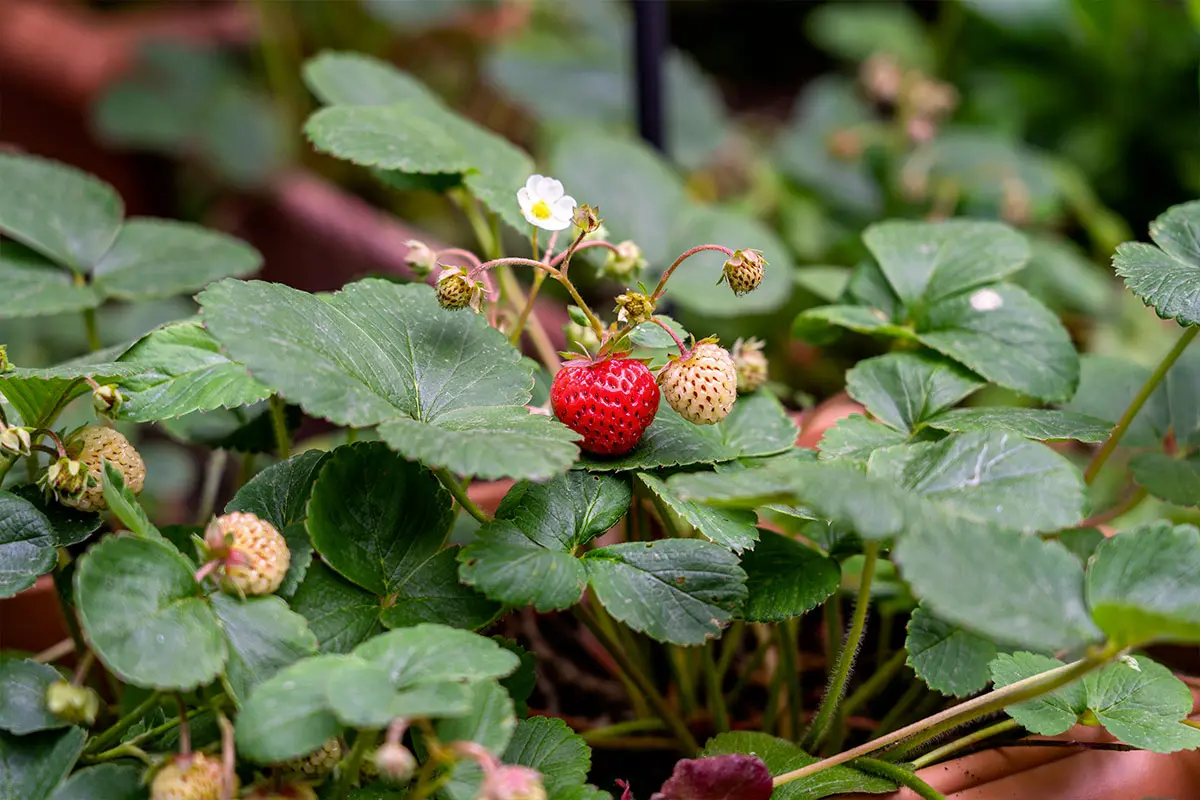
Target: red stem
662 282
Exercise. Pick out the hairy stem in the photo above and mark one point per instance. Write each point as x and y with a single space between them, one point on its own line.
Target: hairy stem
352 763
515 337
93 333
1139 400
934 756
845 662
283 438
113 733
898 775
666 276
460 494
995 700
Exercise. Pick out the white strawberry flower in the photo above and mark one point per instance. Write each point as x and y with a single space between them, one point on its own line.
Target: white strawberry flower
544 204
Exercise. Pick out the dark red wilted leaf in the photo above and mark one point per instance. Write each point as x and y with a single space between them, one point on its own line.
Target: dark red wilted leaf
729 777
628 793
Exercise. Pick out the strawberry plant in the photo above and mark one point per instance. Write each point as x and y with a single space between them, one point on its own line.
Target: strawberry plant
333 628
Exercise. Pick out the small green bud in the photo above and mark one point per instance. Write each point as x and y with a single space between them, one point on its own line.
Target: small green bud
420 258
78 705
751 365
107 400
15 441
587 219
625 263
5 364
634 308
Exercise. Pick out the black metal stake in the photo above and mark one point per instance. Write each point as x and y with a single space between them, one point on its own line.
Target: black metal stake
650 47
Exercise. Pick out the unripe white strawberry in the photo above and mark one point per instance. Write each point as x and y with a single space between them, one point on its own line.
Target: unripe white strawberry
191 777
702 386
256 555
78 705
394 763
456 289
512 782
91 446
743 271
751 365
317 764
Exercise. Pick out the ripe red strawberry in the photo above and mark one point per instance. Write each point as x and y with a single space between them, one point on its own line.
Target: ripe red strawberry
609 402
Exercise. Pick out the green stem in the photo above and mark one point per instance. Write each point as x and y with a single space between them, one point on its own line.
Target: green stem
845 663
622 728
670 718
1135 406
511 289
900 709
747 672
283 439
895 774
677 659
93 334
789 661
213 473
350 765
111 734
730 644
64 590
934 756
460 494
995 700
126 750
5 465
770 718
514 338
712 687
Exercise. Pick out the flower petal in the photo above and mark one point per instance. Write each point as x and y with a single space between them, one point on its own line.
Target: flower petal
549 189
525 199
532 183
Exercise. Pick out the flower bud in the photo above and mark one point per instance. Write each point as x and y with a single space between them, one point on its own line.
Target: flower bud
582 335
15 441
420 258
751 365
78 705
395 763
625 263
67 479
881 77
587 219
634 308
5 364
744 271
107 400
511 782
456 289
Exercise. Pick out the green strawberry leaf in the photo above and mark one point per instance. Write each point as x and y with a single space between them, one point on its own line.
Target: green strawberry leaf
928 262
682 591
123 503
441 385
430 653
264 637
1106 387
1032 423
362 696
1008 586
32 766
548 745
989 477
37 393
949 658
855 438
140 607
23 706
1142 703
353 79
1050 714
288 716
527 554
1176 480
1165 276
26 544
182 371
491 723
36 287
905 389
732 528
103 782
785 579
341 615
66 215
70 526
1141 585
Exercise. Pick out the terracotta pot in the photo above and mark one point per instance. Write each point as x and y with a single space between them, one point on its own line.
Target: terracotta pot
487 495
32 620
814 422
1058 773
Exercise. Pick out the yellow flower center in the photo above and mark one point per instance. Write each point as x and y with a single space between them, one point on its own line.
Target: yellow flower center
541 209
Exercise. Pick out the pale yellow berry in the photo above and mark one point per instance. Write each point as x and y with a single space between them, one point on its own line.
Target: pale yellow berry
751 365
703 386
260 556
191 777
318 763
92 446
